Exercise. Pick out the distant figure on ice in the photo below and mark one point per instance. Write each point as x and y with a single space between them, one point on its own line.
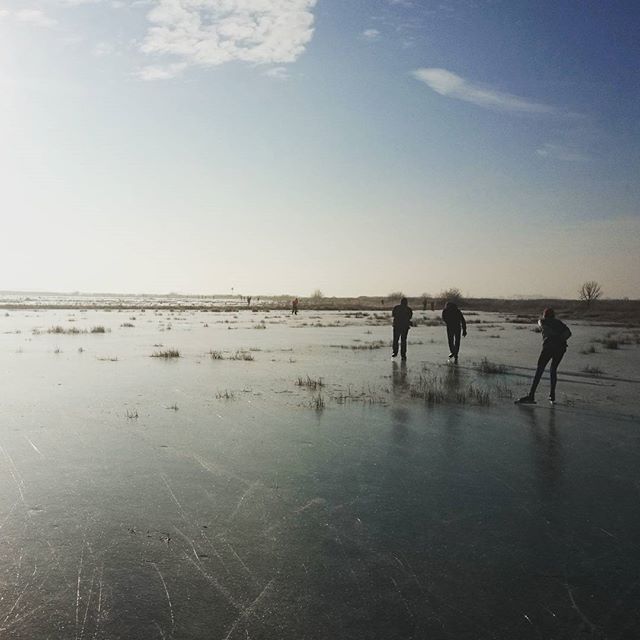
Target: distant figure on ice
402 314
456 324
248 301
555 334
294 307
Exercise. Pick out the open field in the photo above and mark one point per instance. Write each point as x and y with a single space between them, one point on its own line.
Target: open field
612 312
250 474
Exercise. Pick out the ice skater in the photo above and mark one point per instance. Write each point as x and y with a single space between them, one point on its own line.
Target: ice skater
402 314
555 334
456 325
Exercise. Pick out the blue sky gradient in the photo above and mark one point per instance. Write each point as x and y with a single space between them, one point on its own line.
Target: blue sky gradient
358 147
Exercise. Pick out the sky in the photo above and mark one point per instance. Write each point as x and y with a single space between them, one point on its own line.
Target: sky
358 147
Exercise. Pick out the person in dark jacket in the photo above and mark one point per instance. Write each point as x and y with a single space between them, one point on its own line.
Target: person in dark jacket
555 334
456 325
402 314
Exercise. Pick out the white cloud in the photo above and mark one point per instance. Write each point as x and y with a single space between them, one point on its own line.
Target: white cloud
370 34
35 17
102 49
161 72
4 13
561 152
278 73
212 32
451 85
75 3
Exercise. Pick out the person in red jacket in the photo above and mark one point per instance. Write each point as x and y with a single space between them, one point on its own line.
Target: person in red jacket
555 334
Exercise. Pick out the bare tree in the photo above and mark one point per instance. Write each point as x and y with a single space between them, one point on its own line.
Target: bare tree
451 295
396 295
590 291
317 295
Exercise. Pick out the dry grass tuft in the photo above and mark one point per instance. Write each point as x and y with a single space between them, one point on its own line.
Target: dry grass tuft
310 383
242 355
166 354
593 371
318 402
487 367
433 390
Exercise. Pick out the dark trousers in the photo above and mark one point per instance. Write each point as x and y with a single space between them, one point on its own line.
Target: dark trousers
400 335
453 335
555 355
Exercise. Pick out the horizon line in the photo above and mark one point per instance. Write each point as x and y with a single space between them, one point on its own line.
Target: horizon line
173 294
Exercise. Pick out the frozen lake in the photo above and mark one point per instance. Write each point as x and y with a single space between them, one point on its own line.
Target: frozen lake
298 484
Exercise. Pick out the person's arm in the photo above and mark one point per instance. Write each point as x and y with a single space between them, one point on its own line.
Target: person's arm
566 332
463 322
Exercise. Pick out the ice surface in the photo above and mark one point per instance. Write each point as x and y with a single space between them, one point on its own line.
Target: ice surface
201 498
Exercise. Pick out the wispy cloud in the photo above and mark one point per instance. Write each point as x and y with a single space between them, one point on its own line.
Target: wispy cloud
35 17
370 34
213 32
454 86
561 152
74 3
102 49
277 73
161 72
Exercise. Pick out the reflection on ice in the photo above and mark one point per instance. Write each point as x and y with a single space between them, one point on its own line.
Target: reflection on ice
382 516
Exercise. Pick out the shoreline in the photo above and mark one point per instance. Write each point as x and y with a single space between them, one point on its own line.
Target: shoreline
619 312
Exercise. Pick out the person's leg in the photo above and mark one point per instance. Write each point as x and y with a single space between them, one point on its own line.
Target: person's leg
403 343
543 360
450 336
553 371
396 337
456 341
